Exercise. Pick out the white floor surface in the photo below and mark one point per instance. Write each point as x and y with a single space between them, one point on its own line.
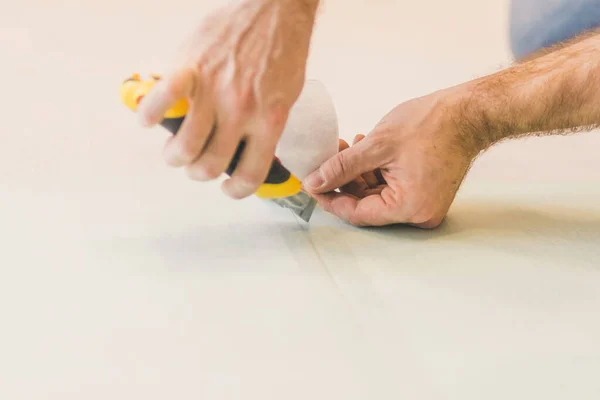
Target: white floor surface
121 279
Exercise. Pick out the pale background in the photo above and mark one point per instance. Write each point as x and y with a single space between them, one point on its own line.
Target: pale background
121 279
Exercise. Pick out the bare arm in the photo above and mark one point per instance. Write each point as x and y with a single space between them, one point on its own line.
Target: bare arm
555 92
408 169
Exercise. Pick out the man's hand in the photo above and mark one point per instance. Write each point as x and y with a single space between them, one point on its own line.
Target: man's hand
407 170
422 150
241 71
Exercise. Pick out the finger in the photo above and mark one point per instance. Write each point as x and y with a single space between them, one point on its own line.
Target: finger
165 94
357 188
380 177
368 177
257 157
373 210
376 190
357 139
252 169
219 151
342 145
234 107
186 146
345 166
431 224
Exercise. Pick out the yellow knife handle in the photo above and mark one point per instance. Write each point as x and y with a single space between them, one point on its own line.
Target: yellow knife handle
279 182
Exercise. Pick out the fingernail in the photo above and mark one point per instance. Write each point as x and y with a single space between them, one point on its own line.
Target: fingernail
173 158
314 181
239 189
144 121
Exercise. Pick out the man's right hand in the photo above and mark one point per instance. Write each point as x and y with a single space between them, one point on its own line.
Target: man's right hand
242 71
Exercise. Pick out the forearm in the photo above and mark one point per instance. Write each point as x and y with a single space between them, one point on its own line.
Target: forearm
312 5
306 7
554 93
295 11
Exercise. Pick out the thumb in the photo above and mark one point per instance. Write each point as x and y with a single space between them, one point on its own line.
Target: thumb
344 167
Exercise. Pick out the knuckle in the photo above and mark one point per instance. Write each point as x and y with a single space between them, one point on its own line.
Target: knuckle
238 99
223 144
172 89
378 140
338 166
355 221
425 214
242 100
433 223
380 144
277 115
246 96
204 68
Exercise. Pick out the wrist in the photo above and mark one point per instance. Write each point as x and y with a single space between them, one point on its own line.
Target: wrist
468 118
556 93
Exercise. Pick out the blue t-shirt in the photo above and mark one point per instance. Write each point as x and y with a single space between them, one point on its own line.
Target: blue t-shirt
535 24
